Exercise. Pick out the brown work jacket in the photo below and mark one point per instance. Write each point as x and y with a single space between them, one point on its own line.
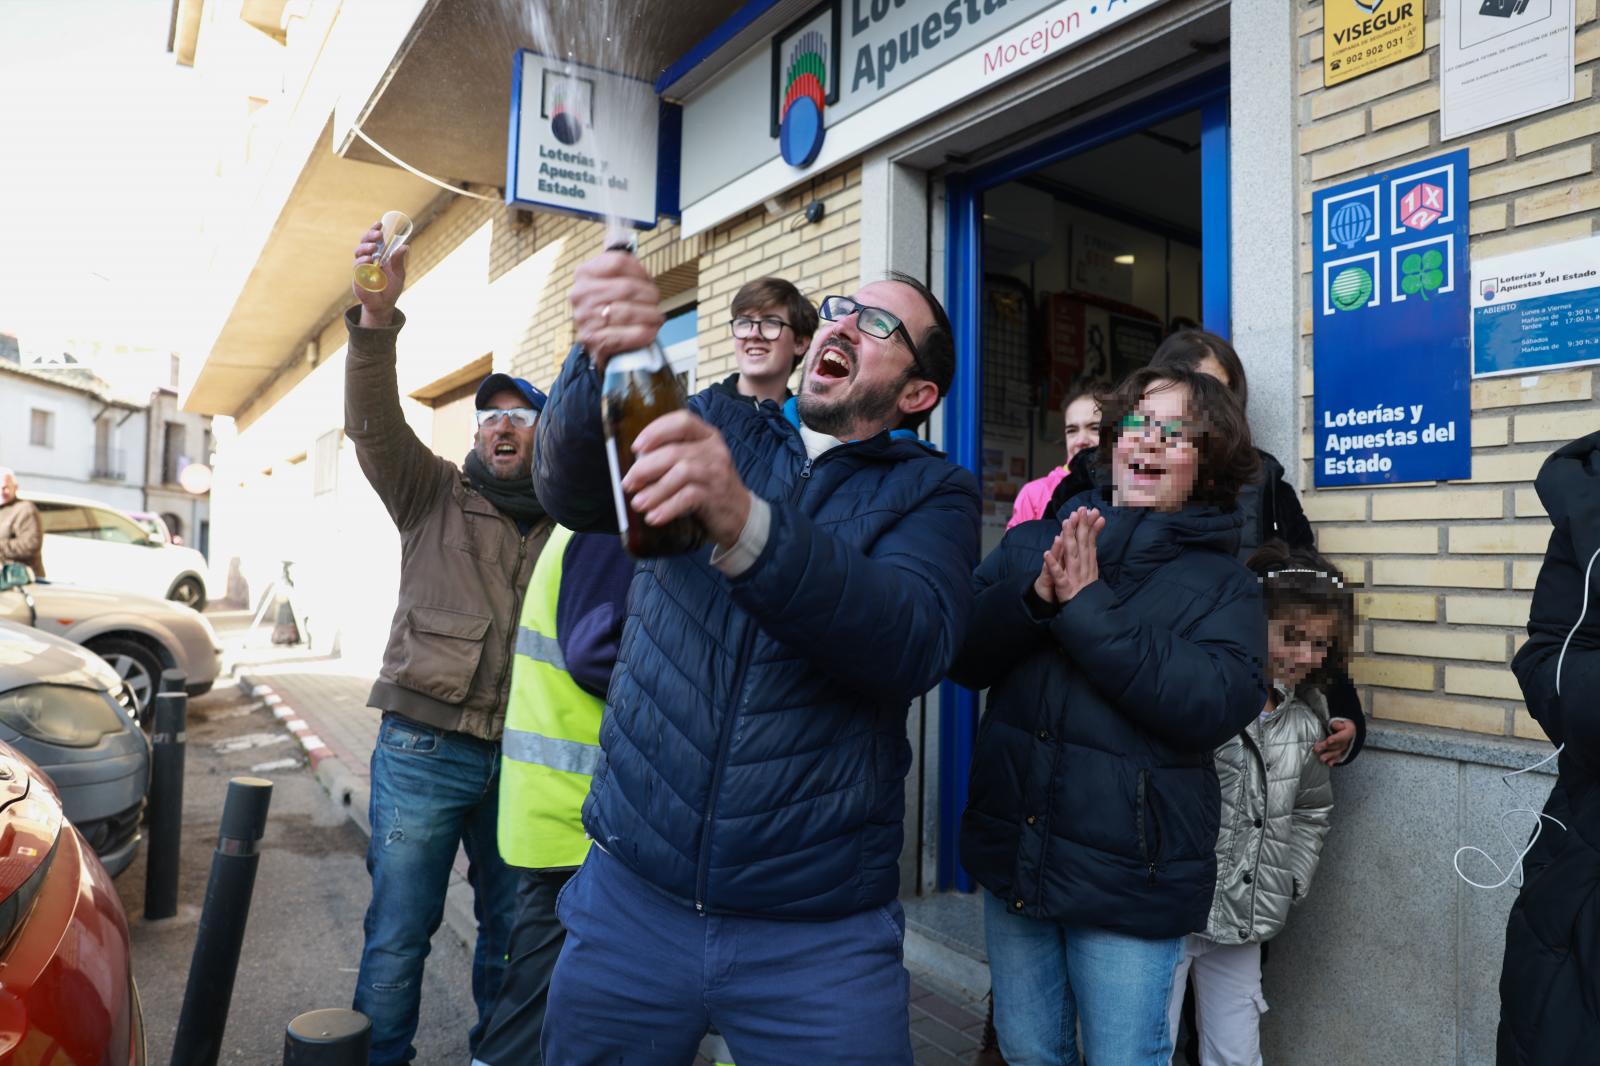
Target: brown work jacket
464 565
21 536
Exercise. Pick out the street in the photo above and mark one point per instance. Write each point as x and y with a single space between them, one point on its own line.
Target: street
303 942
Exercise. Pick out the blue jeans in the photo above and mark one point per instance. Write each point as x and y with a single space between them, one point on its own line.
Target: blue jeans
642 975
432 790
1051 979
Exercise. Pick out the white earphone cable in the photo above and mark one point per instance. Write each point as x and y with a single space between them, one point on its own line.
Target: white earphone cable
1562 658
1539 816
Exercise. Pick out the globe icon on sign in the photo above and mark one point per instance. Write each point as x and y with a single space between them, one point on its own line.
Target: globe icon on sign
1351 223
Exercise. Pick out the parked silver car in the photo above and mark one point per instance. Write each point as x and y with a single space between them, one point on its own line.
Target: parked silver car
138 635
70 713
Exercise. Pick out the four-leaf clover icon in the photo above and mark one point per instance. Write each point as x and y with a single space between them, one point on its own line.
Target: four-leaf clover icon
1421 274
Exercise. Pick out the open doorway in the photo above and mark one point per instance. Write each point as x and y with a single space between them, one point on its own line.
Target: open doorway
1088 263
1068 262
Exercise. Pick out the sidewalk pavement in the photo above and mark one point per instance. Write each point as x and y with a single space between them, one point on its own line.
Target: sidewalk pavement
322 701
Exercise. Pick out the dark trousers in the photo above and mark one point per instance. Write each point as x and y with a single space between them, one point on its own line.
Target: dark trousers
512 1035
643 975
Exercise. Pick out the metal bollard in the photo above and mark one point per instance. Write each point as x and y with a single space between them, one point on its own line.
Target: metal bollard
167 740
222 919
328 1038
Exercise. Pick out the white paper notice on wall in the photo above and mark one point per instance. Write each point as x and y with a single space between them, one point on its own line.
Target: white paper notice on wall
1502 60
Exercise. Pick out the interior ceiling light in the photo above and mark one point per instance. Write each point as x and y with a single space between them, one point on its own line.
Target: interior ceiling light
1123 260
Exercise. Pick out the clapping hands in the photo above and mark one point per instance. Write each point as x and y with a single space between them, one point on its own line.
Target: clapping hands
1073 562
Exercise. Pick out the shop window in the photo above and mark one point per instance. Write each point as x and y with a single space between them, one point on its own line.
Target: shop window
681 340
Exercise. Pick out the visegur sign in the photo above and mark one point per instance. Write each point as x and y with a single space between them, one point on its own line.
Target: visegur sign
1360 36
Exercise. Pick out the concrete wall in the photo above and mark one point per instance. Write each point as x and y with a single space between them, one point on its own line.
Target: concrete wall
1393 958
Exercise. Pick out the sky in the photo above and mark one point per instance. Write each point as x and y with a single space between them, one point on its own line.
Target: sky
103 155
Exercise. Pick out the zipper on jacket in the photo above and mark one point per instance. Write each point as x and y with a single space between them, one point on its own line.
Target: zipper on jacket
1144 801
724 742
511 634
725 736
1141 805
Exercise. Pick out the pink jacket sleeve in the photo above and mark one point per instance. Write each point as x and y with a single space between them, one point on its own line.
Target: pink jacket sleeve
1033 497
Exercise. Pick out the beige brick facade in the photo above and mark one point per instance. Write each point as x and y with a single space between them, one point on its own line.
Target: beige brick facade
1449 566
819 258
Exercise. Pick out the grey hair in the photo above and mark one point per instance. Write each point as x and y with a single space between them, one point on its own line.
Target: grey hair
6 472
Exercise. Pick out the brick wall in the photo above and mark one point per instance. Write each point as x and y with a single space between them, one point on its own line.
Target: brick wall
1449 567
819 258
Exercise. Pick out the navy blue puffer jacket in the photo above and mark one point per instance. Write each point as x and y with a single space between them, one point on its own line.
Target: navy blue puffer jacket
1093 799
754 738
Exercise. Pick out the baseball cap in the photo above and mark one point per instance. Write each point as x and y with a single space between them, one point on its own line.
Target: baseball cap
506 383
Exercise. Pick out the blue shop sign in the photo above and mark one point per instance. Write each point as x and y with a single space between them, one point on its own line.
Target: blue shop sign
1391 326
1536 310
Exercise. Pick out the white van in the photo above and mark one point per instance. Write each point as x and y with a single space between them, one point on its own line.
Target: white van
90 544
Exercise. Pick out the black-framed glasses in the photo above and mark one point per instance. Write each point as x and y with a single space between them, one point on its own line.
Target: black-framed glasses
770 328
521 416
874 322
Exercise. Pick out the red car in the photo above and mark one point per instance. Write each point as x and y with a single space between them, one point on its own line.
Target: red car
67 996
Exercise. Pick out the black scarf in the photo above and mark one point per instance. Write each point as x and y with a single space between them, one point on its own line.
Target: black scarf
514 499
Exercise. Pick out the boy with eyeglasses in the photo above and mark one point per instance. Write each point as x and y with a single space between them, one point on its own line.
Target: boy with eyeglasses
469 538
772 328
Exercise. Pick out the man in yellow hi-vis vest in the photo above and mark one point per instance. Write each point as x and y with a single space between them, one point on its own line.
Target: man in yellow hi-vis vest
566 645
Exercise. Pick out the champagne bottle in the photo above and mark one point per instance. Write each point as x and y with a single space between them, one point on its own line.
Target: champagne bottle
639 387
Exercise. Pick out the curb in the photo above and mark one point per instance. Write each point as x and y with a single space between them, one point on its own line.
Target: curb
352 794
957 970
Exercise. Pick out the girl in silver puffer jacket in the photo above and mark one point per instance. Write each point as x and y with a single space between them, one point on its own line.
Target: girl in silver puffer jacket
1277 802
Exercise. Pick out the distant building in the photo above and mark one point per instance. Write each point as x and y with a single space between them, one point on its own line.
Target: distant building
62 431
178 439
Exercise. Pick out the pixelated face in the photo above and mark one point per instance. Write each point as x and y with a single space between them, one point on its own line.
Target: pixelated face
1156 458
1297 645
8 489
1083 425
506 448
760 358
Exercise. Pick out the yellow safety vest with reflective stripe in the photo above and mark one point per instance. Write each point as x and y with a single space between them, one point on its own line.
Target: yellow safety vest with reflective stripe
551 745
